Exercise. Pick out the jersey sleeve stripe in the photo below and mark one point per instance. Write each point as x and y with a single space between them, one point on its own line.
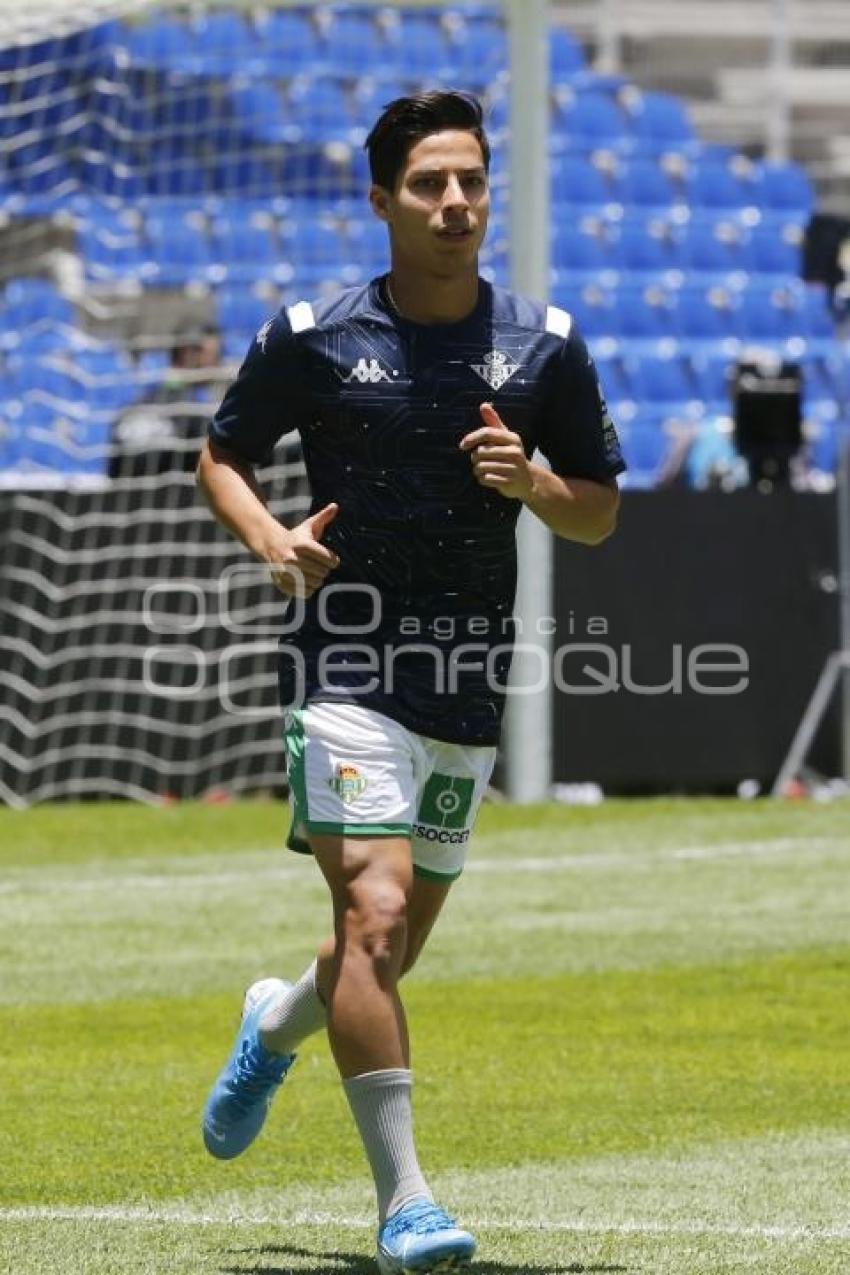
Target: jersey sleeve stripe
301 317
558 321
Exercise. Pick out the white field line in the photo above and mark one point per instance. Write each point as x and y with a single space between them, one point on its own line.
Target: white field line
140 1215
35 880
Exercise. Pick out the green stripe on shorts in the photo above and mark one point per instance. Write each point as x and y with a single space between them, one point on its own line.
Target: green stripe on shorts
360 829
428 874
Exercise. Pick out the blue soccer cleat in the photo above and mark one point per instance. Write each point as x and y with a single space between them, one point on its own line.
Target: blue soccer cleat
240 1099
422 1237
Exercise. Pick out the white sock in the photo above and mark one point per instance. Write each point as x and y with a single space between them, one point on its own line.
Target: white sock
296 1016
381 1104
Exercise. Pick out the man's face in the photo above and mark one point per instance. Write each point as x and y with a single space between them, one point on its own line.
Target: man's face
438 212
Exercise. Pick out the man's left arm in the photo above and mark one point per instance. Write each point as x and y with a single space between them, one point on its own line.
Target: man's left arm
574 508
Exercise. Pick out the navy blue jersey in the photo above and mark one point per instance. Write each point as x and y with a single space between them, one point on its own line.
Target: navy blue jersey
416 622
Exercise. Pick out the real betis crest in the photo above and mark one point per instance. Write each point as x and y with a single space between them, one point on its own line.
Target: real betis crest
347 783
496 369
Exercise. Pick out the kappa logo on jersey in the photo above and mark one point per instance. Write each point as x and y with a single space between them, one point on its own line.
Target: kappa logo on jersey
496 369
368 372
347 783
263 334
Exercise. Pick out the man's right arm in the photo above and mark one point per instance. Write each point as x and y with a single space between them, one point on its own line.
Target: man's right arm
299 562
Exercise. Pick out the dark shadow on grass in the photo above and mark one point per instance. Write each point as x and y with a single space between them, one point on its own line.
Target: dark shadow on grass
306 1262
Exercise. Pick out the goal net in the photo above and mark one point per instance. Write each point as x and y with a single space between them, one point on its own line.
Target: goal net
171 175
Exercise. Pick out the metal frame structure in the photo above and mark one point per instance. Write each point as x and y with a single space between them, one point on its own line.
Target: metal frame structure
836 670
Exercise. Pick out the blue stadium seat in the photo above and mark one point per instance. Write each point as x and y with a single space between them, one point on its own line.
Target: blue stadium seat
421 47
713 183
576 252
12 448
109 255
663 380
351 42
163 43
179 253
96 46
659 121
67 445
588 119
644 447
712 375
566 56
241 312
258 174
706 316
769 314
288 42
106 377
646 248
309 171
643 181
44 100
575 180
245 247
224 44
191 105
38 168
319 251
823 378
786 187
29 301
321 109
260 114
713 246
775 250
497 116
593 308
47 378
369 243
174 166
482 45
496 260
817 320
614 377
643 315
371 96
36 342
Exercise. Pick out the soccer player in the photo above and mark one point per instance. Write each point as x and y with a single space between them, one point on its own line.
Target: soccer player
419 399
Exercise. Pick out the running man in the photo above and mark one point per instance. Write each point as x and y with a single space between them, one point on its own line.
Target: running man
419 400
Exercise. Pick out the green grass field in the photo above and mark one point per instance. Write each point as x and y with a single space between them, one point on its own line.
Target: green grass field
631 1040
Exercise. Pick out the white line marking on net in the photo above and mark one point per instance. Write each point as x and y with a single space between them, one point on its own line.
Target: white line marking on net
140 1215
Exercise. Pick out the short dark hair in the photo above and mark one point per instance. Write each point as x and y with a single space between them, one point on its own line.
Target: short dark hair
407 120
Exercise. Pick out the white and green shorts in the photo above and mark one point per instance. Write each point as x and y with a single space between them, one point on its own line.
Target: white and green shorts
355 771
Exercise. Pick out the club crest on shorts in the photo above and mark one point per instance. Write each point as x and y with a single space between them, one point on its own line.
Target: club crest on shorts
496 369
347 783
